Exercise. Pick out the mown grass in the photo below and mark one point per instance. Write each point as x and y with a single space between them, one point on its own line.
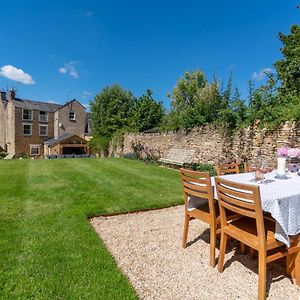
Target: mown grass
48 248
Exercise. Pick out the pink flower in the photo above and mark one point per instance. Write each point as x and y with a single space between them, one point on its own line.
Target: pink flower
282 151
293 152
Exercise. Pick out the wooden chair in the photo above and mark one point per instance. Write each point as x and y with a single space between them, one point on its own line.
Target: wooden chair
252 229
227 169
197 188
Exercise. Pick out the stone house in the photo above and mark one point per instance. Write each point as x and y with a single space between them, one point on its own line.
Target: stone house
26 126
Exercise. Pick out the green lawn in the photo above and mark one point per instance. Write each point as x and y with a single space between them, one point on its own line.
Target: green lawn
48 248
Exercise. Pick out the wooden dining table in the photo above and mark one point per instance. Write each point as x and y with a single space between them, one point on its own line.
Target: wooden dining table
281 198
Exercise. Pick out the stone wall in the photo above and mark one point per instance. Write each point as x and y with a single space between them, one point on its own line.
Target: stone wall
213 145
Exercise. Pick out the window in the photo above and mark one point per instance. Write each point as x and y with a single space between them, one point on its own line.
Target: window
43 116
27 114
43 130
27 129
35 149
71 115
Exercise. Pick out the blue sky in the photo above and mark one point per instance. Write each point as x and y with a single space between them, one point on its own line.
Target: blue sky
57 50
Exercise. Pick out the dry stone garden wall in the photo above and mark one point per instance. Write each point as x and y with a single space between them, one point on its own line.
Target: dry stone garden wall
213 145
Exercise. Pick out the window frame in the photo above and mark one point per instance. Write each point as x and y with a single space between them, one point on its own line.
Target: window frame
32 146
30 126
31 114
42 125
74 115
46 115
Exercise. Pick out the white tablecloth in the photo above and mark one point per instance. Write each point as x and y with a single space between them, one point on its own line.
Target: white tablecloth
281 198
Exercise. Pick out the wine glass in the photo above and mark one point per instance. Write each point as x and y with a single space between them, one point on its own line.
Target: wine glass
264 169
253 169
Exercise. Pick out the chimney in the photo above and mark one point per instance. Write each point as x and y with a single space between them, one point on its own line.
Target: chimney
2 95
11 95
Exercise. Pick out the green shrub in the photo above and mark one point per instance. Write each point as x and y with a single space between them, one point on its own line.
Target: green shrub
203 168
2 154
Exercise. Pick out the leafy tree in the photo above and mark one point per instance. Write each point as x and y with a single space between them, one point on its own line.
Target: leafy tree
194 101
147 113
279 99
234 112
263 103
239 108
110 112
184 93
288 68
226 95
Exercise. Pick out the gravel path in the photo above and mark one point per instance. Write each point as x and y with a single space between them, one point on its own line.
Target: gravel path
147 248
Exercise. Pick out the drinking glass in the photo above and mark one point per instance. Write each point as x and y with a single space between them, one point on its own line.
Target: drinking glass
253 169
264 169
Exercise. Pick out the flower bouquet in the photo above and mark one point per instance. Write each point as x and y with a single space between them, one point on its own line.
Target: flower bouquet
283 153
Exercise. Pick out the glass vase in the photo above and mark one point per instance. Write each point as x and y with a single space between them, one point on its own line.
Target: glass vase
281 166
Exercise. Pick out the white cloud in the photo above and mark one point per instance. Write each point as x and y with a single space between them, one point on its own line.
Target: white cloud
13 73
87 106
86 94
62 70
52 101
70 69
262 74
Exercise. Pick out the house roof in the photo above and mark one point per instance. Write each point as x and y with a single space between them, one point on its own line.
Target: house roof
69 102
36 105
67 135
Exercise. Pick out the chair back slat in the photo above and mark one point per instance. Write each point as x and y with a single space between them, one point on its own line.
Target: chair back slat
239 210
238 198
197 184
195 187
238 202
190 192
196 180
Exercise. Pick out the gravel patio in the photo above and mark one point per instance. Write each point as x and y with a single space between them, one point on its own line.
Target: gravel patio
147 248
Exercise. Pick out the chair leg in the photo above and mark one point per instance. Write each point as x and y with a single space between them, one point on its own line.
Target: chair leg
185 230
262 275
243 248
222 251
213 237
293 263
297 267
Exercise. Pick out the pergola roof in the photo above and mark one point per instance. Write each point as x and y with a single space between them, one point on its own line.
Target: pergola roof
62 138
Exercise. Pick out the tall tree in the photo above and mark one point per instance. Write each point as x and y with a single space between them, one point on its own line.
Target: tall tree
110 112
279 99
288 68
194 101
226 94
147 113
184 93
